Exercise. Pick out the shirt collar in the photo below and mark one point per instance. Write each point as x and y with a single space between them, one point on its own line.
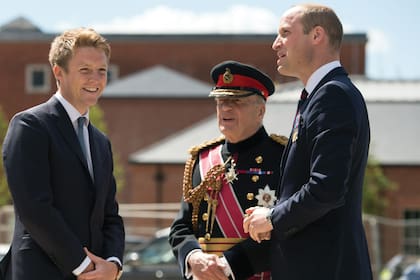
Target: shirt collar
70 109
320 73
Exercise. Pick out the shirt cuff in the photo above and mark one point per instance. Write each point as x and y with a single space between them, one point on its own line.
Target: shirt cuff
228 270
82 266
114 259
188 273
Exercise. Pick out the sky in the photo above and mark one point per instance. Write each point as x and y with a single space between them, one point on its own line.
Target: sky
391 26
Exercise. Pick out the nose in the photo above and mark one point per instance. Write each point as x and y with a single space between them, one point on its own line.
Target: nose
276 44
225 106
97 76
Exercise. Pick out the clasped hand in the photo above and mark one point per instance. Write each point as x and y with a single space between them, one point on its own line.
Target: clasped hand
206 266
256 224
98 269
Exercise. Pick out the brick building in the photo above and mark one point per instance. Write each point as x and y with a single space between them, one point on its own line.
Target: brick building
141 118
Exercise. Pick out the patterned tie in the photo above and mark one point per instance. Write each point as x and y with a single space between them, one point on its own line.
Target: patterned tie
80 134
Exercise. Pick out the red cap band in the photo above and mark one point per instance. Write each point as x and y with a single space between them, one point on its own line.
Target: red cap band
243 81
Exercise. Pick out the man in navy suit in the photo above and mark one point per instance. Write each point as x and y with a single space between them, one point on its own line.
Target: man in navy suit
316 225
61 176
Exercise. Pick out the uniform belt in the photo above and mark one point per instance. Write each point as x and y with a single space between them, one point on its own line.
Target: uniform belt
218 245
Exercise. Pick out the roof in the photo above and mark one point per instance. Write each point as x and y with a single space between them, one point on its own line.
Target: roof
157 82
394 110
23 25
19 24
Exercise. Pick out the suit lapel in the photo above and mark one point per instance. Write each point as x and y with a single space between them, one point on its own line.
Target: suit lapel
66 128
330 75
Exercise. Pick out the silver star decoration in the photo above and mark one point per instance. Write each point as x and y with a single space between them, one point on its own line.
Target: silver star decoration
266 197
231 174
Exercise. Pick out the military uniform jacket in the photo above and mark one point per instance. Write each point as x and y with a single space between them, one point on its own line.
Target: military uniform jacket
256 162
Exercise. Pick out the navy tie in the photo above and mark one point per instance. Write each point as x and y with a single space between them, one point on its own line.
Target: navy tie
303 97
80 134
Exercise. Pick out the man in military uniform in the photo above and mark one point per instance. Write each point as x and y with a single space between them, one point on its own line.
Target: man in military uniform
224 177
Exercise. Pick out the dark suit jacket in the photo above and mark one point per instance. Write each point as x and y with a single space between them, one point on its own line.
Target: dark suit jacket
318 231
59 208
244 258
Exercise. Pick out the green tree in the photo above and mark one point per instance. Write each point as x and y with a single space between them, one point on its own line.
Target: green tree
376 184
96 116
5 197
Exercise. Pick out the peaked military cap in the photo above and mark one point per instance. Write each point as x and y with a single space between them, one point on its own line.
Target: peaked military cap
235 79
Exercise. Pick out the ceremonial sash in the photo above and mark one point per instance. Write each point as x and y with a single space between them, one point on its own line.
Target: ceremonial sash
229 213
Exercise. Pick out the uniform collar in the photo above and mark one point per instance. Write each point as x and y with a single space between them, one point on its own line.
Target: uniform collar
247 143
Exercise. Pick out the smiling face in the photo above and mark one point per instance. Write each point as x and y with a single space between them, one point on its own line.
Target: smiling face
239 118
84 79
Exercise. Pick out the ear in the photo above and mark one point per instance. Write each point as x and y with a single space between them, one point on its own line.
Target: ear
261 111
58 72
318 34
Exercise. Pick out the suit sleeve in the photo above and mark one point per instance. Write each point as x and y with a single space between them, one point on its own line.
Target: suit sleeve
26 159
113 228
248 258
330 131
182 237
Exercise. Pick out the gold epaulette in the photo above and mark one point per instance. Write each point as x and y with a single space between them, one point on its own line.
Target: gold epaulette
196 195
279 139
196 149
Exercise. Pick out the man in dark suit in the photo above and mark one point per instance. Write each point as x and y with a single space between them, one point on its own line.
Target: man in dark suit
316 225
224 177
60 173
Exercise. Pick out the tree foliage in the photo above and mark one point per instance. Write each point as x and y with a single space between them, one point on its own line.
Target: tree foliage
5 197
96 117
376 184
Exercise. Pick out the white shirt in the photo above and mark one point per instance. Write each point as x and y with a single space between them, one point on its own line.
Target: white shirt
320 73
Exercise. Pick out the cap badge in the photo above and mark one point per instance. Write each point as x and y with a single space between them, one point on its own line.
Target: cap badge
227 76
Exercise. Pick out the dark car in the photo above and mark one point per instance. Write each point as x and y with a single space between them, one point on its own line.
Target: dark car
152 260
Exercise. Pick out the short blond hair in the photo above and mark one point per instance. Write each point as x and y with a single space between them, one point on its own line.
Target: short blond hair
64 45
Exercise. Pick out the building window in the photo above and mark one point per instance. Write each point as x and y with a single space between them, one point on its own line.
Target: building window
412 232
113 72
38 78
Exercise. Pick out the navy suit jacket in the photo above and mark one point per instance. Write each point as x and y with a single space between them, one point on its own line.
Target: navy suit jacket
318 231
59 209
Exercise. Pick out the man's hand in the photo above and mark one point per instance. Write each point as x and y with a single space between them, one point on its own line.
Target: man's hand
256 223
206 266
103 269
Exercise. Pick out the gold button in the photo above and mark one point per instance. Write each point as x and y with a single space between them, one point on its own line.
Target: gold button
250 196
259 159
205 217
255 178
